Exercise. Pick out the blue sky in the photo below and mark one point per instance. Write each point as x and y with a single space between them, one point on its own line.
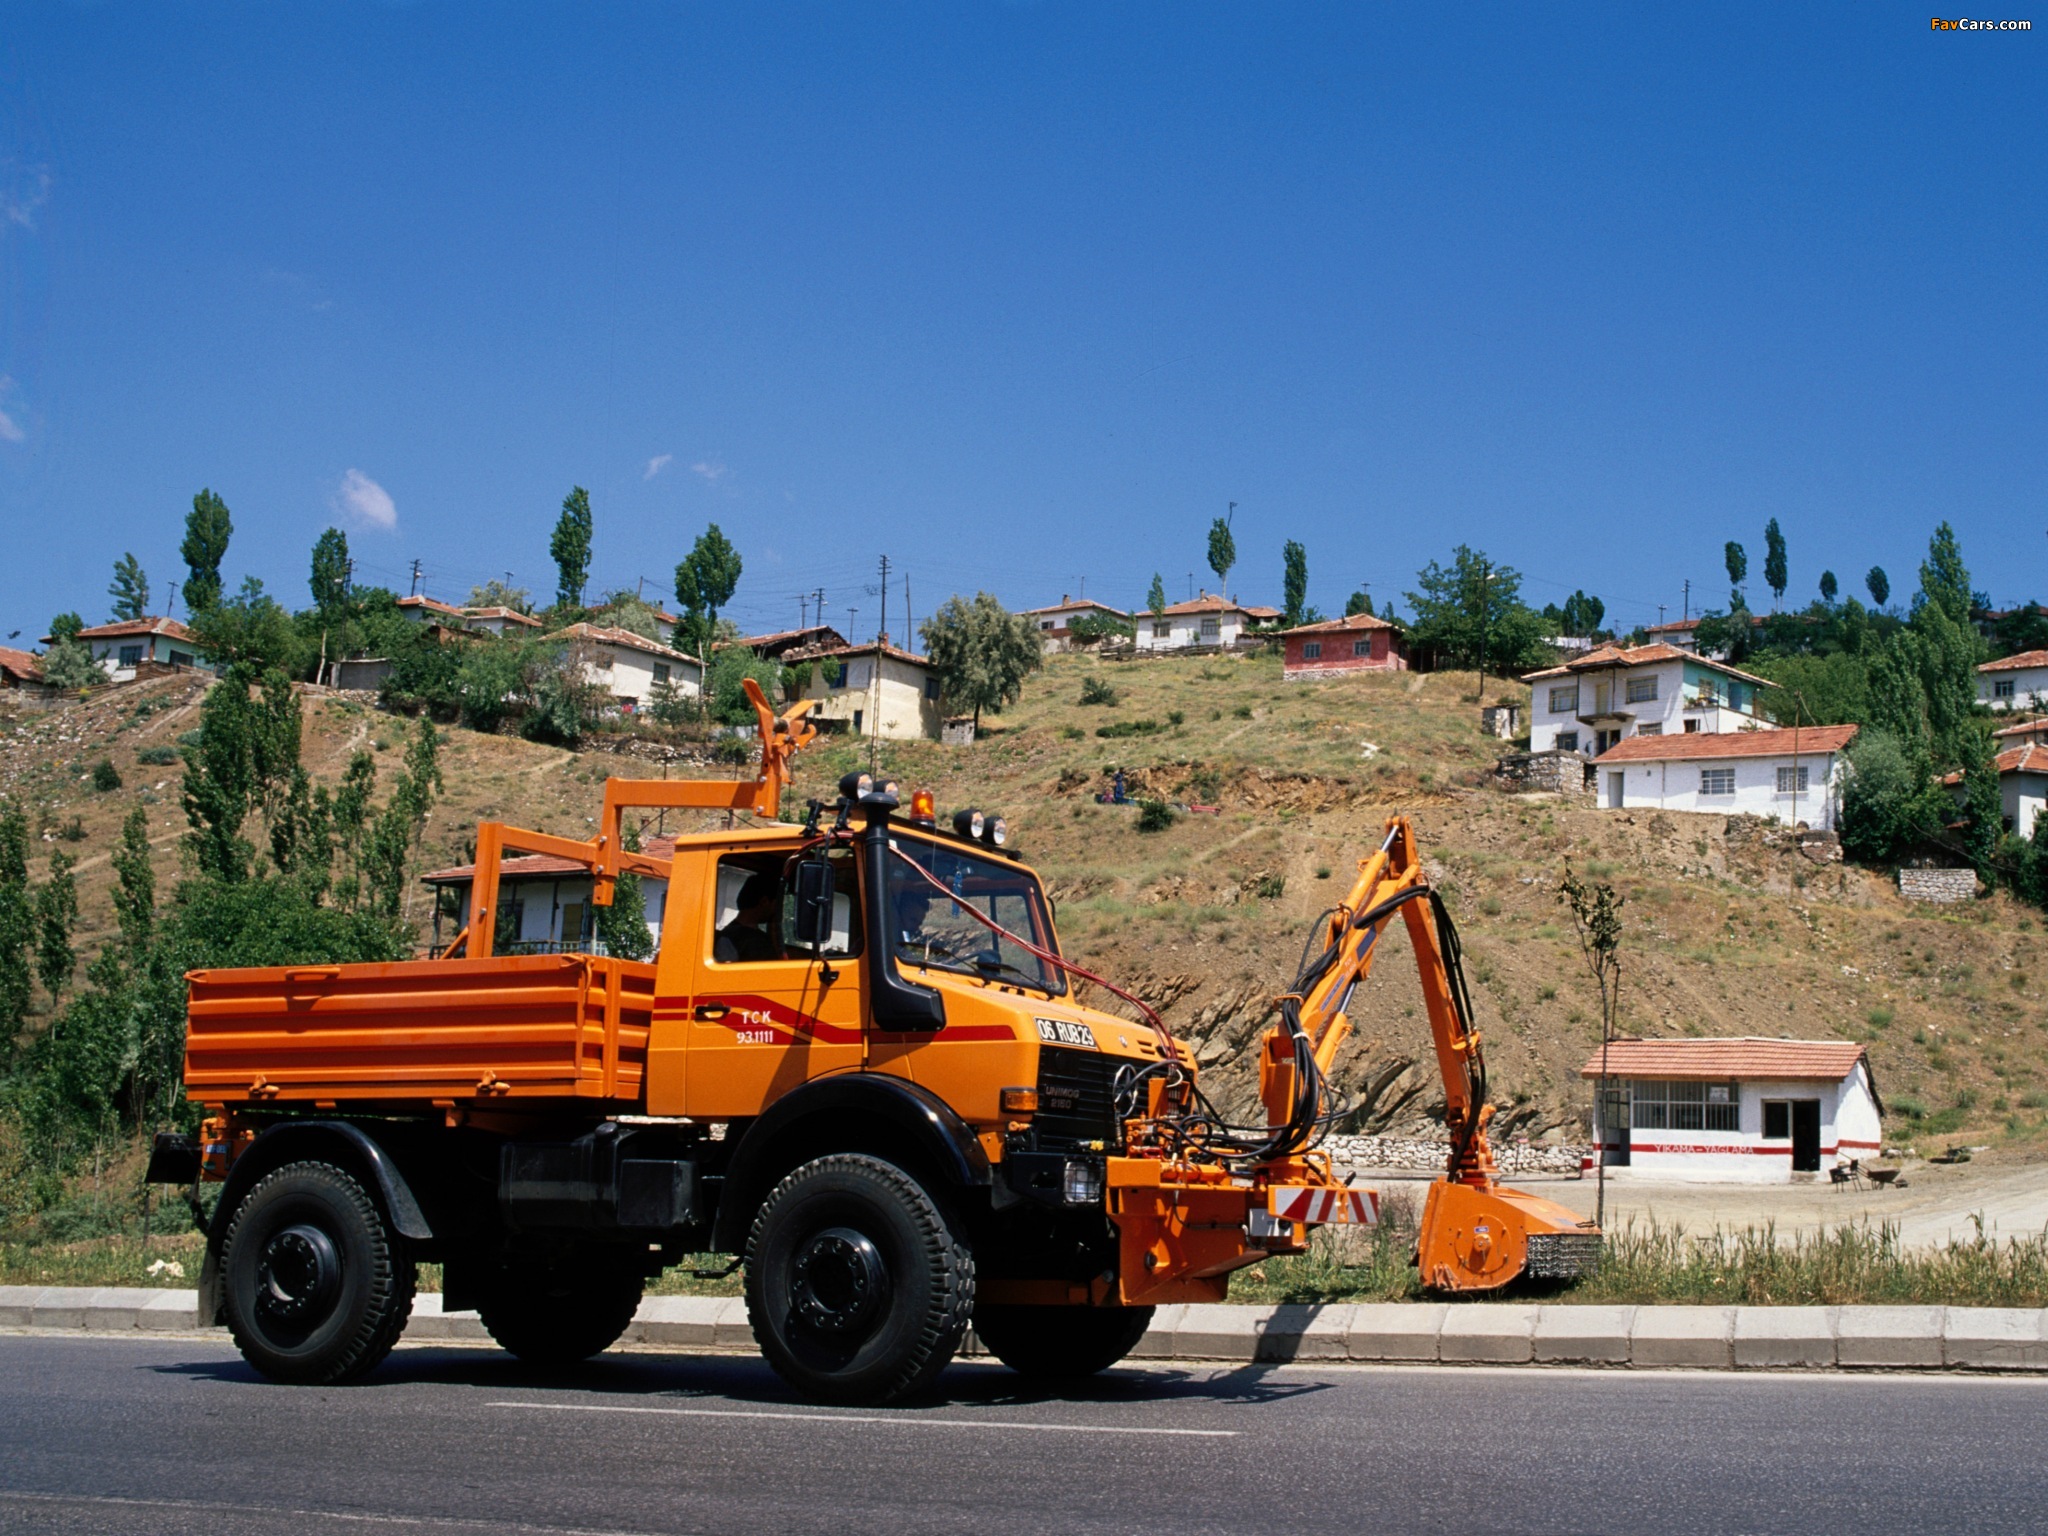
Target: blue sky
1021 295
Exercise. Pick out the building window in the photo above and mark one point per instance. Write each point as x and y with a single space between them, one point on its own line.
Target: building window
1777 1120
1706 698
1641 690
1654 728
1692 727
1312 650
1045 624
1567 741
1361 647
1212 631
661 671
2001 688
856 722
931 687
604 661
1792 781
1717 781
1685 1107
1564 701
1162 629
131 655
835 674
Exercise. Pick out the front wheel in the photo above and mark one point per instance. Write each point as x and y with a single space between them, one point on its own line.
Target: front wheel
1055 1342
318 1287
857 1289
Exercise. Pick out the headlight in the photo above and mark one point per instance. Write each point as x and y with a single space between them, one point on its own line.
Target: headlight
1083 1183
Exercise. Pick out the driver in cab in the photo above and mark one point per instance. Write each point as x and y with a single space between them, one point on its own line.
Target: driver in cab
752 933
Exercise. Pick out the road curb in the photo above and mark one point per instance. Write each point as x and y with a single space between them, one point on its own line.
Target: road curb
2001 1339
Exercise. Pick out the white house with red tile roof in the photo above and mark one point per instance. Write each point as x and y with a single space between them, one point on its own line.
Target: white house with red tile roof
1794 775
499 621
431 610
544 904
628 666
19 669
1207 620
2014 682
876 689
1746 1110
1055 621
1589 704
790 642
122 647
2023 786
1358 642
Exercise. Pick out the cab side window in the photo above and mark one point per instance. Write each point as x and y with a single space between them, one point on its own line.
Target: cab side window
754 917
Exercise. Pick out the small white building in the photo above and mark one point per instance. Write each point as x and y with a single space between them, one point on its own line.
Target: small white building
431 610
1055 621
876 689
2014 682
500 622
1207 620
544 905
1793 776
2023 786
628 666
124 647
1740 1111
1587 705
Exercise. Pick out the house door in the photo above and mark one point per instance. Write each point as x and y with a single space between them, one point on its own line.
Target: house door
1614 791
1806 1135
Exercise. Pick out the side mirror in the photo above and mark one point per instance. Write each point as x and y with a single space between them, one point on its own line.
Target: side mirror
814 892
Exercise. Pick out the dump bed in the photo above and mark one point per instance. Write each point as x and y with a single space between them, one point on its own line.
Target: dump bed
519 1027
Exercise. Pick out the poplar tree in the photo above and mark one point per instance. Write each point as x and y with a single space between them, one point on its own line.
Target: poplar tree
207 531
570 548
1294 581
1774 561
130 589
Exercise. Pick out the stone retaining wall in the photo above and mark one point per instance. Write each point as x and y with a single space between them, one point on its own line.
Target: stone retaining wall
1430 1156
1943 885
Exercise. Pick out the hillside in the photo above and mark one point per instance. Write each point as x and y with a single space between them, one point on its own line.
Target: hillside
1726 933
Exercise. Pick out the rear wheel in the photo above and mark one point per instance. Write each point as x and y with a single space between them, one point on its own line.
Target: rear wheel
558 1312
318 1287
857 1289
1061 1341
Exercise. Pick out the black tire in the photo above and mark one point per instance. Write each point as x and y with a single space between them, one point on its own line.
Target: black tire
559 1313
318 1286
1060 1342
857 1288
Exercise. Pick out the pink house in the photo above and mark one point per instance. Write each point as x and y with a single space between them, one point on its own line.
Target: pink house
1337 647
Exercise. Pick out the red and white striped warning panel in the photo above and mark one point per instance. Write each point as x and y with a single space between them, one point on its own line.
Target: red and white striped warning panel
1316 1202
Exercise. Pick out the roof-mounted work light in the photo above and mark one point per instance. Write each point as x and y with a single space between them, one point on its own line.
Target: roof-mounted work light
967 824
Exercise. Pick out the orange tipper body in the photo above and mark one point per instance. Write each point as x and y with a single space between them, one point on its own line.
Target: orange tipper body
856 1038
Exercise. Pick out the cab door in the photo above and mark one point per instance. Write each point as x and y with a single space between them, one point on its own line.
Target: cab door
766 1016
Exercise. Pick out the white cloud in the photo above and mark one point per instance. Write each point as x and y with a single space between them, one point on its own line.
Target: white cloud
366 502
711 469
23 191
657 464
10 429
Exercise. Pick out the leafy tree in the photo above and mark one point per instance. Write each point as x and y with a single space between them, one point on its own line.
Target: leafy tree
1736 558
1088 628
570 548
622 926
207 531
730 666
1358 602
68 663
65 627
1944 580
1580 615
56 905
1774 561
105 776
2024 628
981 652
396 830
1155 599
565 703
329 582
425 674
1474 607
1222 551
1828 586
1294 584
251 627
1983 807
17 924
1888 802
135 887
1878 585
246 751
1816 690
632 613
496 594
706 579
491 682
130 589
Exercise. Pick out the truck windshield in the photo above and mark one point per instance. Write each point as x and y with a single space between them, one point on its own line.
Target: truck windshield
935 931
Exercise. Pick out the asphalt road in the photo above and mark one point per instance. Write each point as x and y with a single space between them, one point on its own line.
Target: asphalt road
176 1437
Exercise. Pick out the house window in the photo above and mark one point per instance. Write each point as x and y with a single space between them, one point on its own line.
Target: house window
1564 701
931 687
856 722
604 661
835 675
1717 781
1212 631
1685 1106
1654 728
1641 690
1692 727
1792 781
1706 698
1567 741
1777 1120
181 658
1311 650
131 655
1045 624
1162 629
2001 688
661 671
1361 647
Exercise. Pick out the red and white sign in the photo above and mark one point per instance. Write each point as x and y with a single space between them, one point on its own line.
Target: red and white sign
1318 1203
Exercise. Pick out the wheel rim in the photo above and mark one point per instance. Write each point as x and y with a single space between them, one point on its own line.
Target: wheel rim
298 1278
838 1283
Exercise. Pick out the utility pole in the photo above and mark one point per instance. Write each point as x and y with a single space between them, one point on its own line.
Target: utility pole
415 579
882 629
909 623
1191 586
171 601
818 608
1688 600
803 608
1660 615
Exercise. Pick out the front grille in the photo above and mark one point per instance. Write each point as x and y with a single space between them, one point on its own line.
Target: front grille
1076 1099
1563 1255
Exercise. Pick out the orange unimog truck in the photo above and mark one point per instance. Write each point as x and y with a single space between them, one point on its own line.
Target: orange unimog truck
857 1064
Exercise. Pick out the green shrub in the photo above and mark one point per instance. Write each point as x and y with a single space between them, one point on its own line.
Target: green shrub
1243 711
1176 717
1880 1018
157 757
105 776
1155 816
1270 887
1072 733
1095 690
1910 1108
1128 728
